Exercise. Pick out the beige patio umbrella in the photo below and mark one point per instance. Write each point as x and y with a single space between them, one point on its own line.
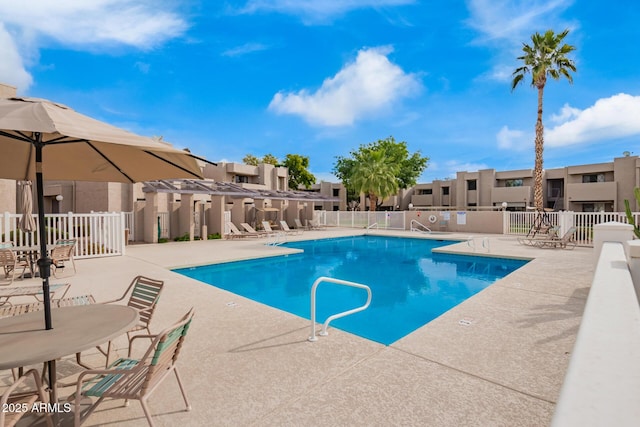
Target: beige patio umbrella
40 138
26 223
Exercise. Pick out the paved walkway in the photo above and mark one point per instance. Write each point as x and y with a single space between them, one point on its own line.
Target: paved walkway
246 364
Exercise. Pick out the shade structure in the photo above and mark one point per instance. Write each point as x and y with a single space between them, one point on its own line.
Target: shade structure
26 223
79 148
40 138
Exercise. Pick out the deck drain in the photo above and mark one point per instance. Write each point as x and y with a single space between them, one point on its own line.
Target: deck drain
232 304
466 321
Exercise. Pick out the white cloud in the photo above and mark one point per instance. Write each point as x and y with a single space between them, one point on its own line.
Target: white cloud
245 49
318 11
12 68
515 19
609 118
566 113
363 87
512 139
83 25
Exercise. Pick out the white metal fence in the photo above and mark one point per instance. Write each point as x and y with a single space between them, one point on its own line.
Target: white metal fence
97 234
359 219
521 223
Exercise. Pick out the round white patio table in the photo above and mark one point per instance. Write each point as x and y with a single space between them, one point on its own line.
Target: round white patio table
25 341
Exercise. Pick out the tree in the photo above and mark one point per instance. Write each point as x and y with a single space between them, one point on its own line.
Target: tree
546 56
407 167
250 159
375 174
298 167
299 174
270 159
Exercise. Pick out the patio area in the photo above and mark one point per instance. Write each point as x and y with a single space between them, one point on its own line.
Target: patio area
246 364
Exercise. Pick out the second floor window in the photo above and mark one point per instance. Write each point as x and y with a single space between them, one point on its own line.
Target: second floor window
445 191
596 177
472 184
513 183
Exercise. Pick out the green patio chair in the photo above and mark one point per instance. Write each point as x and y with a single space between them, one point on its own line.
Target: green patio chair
135 379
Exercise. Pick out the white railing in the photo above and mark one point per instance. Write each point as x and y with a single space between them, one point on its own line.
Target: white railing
97 234
359 219
520 223
319 280
420 227
276 238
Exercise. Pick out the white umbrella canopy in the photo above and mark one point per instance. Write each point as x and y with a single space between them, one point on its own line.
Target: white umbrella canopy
26 223
79 148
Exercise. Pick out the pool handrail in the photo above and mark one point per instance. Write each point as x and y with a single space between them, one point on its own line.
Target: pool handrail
425 229
317 282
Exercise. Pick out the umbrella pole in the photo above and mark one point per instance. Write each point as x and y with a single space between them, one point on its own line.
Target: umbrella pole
44 263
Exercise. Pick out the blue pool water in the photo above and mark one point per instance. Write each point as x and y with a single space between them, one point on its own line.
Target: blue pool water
410 285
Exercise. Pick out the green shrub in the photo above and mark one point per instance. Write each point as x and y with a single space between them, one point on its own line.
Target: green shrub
184 238
214 236
627 209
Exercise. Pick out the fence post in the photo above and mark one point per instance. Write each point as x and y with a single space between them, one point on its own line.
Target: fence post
7 236
123 237
505 222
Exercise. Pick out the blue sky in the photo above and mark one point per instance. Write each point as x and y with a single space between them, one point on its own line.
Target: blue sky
319 78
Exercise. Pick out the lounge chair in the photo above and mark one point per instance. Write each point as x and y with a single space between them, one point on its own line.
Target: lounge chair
314 224
235 233
286 229
16 405
267 227
252 231
298 224
10 264
550 234
135 379
61 252
567 241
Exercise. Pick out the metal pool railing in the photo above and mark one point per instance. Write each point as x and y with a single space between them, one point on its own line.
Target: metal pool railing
319 280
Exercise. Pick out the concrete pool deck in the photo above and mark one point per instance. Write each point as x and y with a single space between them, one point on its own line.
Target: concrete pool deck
497 359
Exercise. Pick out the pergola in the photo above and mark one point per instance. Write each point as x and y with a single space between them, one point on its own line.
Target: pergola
222 194
217 188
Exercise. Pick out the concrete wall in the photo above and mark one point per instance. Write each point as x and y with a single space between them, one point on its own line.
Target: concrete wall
8 195
602 381
476 221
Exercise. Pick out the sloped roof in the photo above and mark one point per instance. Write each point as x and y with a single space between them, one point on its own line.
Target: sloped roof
218 188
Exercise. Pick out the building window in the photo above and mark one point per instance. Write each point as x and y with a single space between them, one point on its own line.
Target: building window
513 183
336 192
425 191
445 191
242 179
472 185
594 207
596 177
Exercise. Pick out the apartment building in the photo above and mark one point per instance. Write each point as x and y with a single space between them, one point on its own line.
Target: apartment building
260 177
581 188
330 190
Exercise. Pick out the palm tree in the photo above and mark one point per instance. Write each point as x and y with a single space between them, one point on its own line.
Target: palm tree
374 176
547 56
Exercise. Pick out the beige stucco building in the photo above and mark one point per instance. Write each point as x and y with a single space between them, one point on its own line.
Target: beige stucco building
581 188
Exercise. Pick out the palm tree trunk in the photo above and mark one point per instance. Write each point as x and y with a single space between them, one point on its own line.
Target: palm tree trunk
372 202
539 147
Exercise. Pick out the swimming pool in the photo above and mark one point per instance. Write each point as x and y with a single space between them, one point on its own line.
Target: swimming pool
410 285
